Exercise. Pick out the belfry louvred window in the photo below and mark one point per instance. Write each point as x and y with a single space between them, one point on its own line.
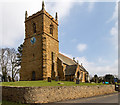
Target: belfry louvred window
34 28
51 29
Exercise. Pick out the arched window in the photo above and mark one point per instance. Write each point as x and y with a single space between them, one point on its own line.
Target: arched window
78 74
51 29
81 75
34 27
33 75
52 66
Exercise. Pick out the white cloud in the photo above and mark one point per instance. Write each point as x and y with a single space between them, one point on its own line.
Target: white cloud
102 61
81 47
91 6
12 27
12 12
115 13
114 35
114 29
12 19
63 8
13 30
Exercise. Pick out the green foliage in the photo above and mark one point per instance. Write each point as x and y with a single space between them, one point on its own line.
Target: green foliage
109 78
19 54
46 83
95 79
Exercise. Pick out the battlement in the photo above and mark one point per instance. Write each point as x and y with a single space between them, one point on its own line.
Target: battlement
43 11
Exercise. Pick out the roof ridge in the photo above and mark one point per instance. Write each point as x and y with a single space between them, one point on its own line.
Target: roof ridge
66 57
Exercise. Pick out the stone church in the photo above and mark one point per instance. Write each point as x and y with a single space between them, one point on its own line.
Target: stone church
40 57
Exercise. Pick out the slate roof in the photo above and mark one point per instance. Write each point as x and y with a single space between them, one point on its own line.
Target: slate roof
66 60
82 68
70 69
71 65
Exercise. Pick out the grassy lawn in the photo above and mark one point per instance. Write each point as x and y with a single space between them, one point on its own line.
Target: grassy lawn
10 103
45 83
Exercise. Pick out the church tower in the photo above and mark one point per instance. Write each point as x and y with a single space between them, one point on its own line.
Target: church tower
40 47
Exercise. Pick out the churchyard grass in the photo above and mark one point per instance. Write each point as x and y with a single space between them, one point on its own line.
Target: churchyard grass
46 83
10 103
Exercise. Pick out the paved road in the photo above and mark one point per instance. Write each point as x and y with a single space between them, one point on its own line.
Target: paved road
111 98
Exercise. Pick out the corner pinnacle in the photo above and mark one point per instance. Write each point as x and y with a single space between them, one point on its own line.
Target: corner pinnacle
43 6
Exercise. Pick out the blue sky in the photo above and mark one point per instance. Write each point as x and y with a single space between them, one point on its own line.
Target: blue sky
90 28
87 30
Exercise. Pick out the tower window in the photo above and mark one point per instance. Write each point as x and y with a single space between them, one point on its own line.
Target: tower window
34 27
53 56
78 74
51 29
52 66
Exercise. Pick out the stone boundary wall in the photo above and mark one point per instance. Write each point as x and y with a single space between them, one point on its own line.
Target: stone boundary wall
53 94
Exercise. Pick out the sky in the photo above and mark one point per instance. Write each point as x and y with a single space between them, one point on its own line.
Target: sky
87 30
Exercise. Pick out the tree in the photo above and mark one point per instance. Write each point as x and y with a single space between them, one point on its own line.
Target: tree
13 63
101 79
4 62
8 63
109 78
19 54
96 79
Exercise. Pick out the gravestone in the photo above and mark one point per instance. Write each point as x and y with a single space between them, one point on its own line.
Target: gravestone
49 79
77 81
57 78
60 83
117 87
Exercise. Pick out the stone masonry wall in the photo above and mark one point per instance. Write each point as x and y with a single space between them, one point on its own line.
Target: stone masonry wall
53 94
37 57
